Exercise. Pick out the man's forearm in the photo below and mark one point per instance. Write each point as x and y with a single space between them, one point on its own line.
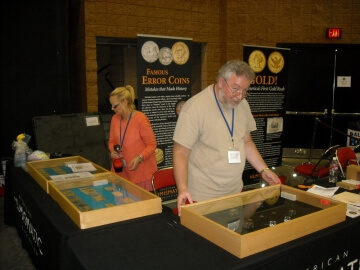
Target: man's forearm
180 166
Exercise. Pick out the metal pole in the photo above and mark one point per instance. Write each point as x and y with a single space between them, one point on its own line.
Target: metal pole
313 139
333 99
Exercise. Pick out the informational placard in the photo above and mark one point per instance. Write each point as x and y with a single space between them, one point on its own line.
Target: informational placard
164 83
266 100
353 135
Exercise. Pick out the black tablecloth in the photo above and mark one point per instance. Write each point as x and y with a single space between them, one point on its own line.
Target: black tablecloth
41 224
156 242
160 243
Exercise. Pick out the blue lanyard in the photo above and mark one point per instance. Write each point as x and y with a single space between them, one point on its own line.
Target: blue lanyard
231 131
123 138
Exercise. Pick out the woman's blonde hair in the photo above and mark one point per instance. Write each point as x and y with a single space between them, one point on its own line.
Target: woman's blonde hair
125 93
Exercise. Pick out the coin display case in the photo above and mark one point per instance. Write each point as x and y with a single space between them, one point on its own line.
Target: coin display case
104 199
42 170
253 221
353 172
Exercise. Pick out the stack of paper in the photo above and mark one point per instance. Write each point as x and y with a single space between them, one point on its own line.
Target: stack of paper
349 184
352 200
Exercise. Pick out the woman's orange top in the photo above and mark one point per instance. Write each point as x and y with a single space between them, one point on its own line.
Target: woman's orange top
139 140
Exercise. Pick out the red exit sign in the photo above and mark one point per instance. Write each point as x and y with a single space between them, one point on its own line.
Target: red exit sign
334 33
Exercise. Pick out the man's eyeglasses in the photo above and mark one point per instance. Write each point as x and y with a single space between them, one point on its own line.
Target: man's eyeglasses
236 91
114 106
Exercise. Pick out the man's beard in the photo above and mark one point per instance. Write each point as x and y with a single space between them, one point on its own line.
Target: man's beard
228 103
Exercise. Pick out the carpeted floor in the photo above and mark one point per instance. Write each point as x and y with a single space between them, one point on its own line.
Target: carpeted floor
12 254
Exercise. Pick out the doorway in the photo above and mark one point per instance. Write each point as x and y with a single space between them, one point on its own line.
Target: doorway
315 92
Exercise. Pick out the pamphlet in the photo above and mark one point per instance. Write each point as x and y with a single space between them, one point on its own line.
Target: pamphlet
326 192
71 176
353 202
82 167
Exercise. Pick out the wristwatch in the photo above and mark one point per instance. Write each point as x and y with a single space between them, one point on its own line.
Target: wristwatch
265 169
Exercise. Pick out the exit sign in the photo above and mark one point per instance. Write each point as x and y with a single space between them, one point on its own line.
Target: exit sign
334 33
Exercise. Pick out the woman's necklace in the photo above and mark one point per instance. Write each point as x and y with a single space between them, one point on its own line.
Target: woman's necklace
122 138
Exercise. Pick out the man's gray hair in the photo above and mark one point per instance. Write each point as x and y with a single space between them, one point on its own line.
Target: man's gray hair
238 67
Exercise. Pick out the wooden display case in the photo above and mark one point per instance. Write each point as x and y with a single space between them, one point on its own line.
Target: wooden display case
353 172
104 199
243 224
42 170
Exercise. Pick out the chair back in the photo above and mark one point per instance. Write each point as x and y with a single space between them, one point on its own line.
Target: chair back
328 154
357 149
345 157
316 171
164 184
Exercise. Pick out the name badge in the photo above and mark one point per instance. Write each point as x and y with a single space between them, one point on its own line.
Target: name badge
234 156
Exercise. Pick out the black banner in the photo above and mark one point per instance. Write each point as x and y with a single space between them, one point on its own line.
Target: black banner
266 100
164 83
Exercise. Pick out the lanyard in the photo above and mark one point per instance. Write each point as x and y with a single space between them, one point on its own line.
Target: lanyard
231 131
123 138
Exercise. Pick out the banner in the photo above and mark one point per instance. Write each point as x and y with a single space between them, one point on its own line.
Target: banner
353 136
164 83
266 100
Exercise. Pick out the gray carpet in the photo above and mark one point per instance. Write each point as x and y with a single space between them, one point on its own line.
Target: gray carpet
12 254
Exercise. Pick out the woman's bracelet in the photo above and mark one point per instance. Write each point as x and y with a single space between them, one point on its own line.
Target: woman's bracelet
141 159
265 169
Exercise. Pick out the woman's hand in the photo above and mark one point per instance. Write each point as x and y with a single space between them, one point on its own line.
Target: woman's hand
114 155
135 163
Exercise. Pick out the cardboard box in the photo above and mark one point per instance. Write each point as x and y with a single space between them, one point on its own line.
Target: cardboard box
353 172
40 169
105 199
230 231
347 186
77 134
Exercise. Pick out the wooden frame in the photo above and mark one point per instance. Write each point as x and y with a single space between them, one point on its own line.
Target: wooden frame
147 203
353 172
193 217
36 168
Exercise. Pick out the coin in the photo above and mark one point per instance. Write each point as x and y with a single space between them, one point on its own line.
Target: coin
275 62
159 155
150 51
257 60
165 56
180 53
272 201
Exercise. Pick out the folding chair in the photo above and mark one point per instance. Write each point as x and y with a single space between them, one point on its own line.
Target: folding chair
357 149
316 171
345 157
164 186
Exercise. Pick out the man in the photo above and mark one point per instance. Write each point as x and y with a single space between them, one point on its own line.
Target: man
212 139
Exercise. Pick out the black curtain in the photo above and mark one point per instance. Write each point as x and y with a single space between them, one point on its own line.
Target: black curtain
35 64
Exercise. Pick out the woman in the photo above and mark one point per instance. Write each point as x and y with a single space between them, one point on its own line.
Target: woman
131 139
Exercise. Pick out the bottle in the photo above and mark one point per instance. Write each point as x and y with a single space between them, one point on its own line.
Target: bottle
20 154
117 163
333 170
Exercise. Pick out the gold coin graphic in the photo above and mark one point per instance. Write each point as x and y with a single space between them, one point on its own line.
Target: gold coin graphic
275 62
180 53
257 60
150 51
